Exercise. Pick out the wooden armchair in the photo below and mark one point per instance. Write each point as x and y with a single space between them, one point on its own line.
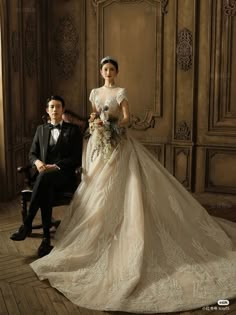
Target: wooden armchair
29 172
61 198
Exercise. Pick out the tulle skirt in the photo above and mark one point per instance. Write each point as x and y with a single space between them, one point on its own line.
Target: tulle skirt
133 239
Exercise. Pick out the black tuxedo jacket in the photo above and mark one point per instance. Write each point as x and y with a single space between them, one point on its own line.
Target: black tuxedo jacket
68 146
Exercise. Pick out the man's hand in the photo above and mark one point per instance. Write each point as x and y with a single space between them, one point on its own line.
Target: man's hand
41 166
51 167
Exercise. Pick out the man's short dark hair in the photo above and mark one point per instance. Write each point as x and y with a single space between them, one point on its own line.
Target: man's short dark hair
56 98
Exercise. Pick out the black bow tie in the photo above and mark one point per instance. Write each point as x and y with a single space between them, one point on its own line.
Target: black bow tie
51 126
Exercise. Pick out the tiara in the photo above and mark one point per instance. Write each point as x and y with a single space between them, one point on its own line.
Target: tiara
107 58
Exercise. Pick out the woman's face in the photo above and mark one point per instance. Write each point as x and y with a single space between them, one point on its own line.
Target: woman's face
108 71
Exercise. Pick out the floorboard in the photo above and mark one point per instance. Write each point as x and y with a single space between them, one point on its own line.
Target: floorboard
21 293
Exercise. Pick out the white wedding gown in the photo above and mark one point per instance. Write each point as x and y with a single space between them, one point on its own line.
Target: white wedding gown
133 239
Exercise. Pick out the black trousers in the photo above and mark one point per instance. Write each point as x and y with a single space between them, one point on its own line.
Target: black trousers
43 194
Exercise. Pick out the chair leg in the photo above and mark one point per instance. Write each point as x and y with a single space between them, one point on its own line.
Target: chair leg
55 223
24 210
25 197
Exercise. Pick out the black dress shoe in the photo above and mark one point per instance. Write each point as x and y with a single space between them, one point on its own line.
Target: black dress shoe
22 233
45 247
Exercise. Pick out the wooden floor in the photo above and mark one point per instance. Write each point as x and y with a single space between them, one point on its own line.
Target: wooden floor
22 293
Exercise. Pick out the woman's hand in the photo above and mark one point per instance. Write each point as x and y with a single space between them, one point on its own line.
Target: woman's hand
93 115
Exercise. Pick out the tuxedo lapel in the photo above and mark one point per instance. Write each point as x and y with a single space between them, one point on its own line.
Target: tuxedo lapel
45 141
63 137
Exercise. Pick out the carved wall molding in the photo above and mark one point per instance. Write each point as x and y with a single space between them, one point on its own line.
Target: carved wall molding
185 152
215 159
66 40
15 46
183 131
164 3
142 124
154 109
230 7
157 150
30 46
184 49
222 72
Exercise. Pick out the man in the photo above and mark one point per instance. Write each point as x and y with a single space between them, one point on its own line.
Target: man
56 151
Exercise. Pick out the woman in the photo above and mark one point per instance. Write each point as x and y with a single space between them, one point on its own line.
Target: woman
134 239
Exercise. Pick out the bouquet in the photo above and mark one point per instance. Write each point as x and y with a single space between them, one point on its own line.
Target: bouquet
106 133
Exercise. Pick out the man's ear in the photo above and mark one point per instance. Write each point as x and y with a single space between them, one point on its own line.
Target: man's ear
46 109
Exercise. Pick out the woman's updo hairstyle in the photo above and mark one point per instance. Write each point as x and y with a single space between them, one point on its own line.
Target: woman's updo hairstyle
109 59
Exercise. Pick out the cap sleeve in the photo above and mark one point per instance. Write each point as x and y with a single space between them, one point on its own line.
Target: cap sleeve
121 95
92 96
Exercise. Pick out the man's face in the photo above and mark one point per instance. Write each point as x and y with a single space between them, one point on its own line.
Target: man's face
55 111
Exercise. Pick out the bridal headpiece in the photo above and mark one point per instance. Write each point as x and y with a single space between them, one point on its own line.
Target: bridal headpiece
108 58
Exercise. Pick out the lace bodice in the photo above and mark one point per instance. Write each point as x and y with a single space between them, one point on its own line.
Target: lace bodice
110 97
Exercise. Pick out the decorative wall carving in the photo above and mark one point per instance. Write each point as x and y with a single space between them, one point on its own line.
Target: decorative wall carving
30 46
184 49
230 7
15 50
183 131
66 46
147 122
164 3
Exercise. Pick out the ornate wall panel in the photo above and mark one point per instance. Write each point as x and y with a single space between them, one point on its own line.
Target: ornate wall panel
221 165
222 68
176 60
31 67
142 58
185 49
185 69
15 107
4 95
66 46
216 121
25 88
182 161
66 35
184 99
158 150
230 7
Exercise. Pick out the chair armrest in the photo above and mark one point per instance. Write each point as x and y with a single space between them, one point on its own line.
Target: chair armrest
22 169
29 173
73 118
